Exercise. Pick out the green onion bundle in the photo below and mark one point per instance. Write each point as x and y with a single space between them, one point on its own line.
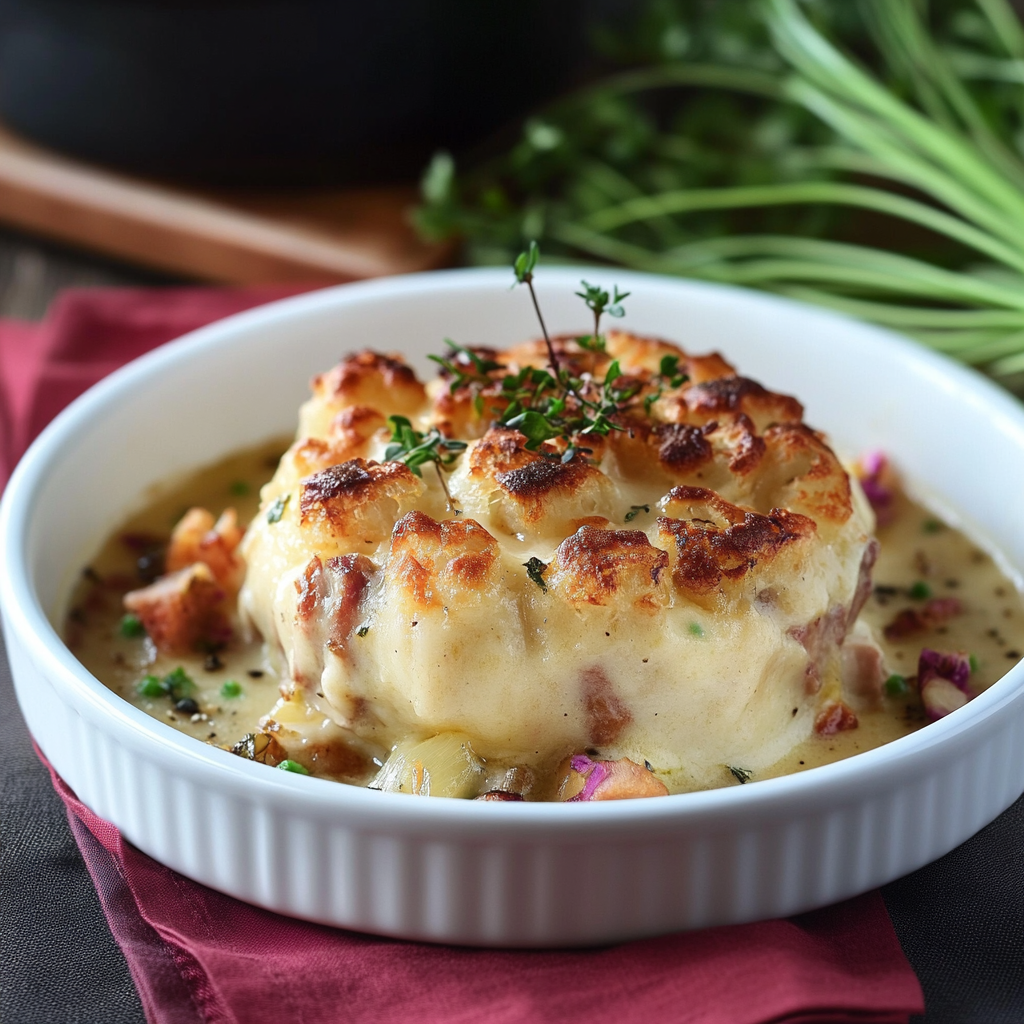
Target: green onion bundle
922 130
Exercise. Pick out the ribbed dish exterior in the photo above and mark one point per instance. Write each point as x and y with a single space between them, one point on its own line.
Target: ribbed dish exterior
551 884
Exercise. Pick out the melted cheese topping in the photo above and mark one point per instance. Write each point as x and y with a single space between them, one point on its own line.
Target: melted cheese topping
704 632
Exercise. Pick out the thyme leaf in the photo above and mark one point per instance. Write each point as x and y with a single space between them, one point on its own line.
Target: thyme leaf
535 569
635 510
276 511
741 775
413 448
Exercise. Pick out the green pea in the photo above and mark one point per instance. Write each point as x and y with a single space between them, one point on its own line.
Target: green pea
131 627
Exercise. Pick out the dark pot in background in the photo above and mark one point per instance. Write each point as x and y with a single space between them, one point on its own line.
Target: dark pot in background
277 93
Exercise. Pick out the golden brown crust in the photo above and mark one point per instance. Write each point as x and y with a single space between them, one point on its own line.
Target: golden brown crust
431 561
820 486
334 498
729 396
530 479
719 542
597 566
360 373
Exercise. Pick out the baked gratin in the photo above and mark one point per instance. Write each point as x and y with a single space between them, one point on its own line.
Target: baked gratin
581 568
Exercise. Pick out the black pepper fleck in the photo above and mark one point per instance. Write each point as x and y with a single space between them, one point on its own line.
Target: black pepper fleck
213 663
187 706
255 673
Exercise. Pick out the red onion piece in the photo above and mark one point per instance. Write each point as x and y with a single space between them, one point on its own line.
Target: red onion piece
873 470
593 772
954 667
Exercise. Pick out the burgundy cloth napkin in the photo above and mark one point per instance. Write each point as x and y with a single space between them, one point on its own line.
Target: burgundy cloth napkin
199 956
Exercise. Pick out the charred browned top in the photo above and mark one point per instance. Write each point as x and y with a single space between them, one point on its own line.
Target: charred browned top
715 398
529 477
337 491
431 559
355 367
683 447
720 542
595 566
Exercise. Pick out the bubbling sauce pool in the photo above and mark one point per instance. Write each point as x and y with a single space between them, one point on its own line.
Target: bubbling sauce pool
231 689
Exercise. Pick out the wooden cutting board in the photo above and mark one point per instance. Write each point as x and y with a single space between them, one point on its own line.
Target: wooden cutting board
236 237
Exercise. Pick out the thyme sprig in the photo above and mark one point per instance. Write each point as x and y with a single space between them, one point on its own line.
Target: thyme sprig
414 448
557 405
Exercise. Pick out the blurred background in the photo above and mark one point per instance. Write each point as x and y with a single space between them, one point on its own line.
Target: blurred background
867 155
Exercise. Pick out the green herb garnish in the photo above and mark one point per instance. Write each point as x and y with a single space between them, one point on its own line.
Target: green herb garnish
920 591
931 526
151 686
635 510
896 686
554 405
240 488
177 685
362 630
535 570
276 511
292 766
741 775
408 445
231 689
696 629
131 627
972 661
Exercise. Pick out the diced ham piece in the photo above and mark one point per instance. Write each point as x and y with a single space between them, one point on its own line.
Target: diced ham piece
197 538
915 621
587 779
863 668
944 680
182 610
834 717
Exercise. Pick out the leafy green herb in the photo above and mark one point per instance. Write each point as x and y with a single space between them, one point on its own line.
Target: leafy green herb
535 570
920 591
896 686
741 775
696 629
599 302
465 367
231 689
292 766
931 526
276 511
408 445
555 405
131 627
177 685
151 686
972 660
239 488
635 510
362 630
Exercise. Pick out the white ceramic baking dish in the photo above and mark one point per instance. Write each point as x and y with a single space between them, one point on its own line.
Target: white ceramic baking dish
504 873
